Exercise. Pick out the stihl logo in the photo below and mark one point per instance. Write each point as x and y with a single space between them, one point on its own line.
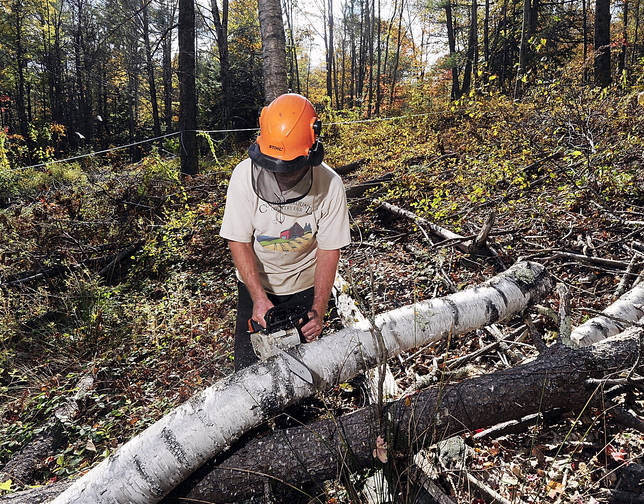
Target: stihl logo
275 147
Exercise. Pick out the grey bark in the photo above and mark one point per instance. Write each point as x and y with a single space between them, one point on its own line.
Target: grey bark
302 456
153 463
187 87
602 44
273 48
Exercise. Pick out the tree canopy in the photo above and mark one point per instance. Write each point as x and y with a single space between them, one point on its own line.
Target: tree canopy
84 75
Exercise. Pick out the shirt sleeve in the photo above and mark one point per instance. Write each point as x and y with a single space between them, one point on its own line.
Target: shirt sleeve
333 227
237 224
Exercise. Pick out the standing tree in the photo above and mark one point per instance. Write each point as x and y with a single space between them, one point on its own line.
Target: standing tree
167 15
187 88
602 43
451 42
471 56
273 48
220 19
328 42
144 15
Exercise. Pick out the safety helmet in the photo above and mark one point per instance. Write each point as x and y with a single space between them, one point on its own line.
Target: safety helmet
288 135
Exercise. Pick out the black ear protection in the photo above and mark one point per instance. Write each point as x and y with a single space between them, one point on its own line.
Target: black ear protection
317 127
316 154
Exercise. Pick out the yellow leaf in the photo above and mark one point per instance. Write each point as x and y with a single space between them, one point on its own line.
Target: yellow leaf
6 485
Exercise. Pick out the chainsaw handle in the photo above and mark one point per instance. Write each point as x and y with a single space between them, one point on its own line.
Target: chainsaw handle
253 326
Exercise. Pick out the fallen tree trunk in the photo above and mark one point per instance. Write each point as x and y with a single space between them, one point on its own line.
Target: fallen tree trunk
359 189
158 459
304 456
470 246
23 466
629 308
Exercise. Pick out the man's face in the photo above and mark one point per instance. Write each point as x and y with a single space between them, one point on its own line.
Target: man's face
288 181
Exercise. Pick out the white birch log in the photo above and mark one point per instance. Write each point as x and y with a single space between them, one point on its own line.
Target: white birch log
350 315
146 468
613 320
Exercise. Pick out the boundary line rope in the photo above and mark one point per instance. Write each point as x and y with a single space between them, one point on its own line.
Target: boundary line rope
133 144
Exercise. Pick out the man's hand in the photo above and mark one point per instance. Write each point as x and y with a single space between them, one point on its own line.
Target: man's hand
313 328
259 310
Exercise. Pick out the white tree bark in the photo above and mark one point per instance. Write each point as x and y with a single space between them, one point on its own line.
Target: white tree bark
614 319
350 315
146 468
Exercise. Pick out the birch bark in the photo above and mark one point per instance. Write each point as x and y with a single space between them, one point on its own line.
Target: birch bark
302 457
627 309
146 468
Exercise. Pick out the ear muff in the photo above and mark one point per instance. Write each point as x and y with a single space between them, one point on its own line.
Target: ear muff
317 127
316 154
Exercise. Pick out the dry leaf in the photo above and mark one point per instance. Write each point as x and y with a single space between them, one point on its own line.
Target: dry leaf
615 454
381 450
554 488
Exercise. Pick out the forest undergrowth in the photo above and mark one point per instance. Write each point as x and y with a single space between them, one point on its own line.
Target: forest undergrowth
116 272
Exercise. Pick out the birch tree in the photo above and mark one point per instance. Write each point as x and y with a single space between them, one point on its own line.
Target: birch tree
158 459
304 456
629 308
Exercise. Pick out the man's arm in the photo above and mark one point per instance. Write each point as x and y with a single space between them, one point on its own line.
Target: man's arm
325 270
245 262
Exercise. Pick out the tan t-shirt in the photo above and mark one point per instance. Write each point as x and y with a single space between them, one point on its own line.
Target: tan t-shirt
285 237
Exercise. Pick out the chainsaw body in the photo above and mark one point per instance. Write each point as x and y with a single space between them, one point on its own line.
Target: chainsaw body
283 323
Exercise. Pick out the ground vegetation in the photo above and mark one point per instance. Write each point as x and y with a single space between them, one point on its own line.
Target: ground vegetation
115 273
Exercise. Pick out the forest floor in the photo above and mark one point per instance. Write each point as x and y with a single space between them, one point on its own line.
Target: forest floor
119 275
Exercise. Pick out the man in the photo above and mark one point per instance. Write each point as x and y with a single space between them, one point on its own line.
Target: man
285 220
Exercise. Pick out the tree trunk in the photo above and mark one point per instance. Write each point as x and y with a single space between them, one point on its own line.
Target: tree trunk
521 67
21 61
166 44
305 456
602 43
24 465
627 309
187 88
158 459
149 63
273 48
291 51
221 29
451 42
394 71
472 49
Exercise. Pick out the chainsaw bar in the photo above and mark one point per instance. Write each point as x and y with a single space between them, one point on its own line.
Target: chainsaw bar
296 366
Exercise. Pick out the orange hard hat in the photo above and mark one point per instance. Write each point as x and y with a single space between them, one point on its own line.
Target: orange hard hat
288 135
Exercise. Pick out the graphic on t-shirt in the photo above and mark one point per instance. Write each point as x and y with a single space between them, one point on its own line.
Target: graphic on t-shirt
292 239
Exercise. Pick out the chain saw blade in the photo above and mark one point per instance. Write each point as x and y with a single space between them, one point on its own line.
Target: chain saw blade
296 366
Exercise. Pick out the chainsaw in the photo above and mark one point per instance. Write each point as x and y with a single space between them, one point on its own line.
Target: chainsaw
282 331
